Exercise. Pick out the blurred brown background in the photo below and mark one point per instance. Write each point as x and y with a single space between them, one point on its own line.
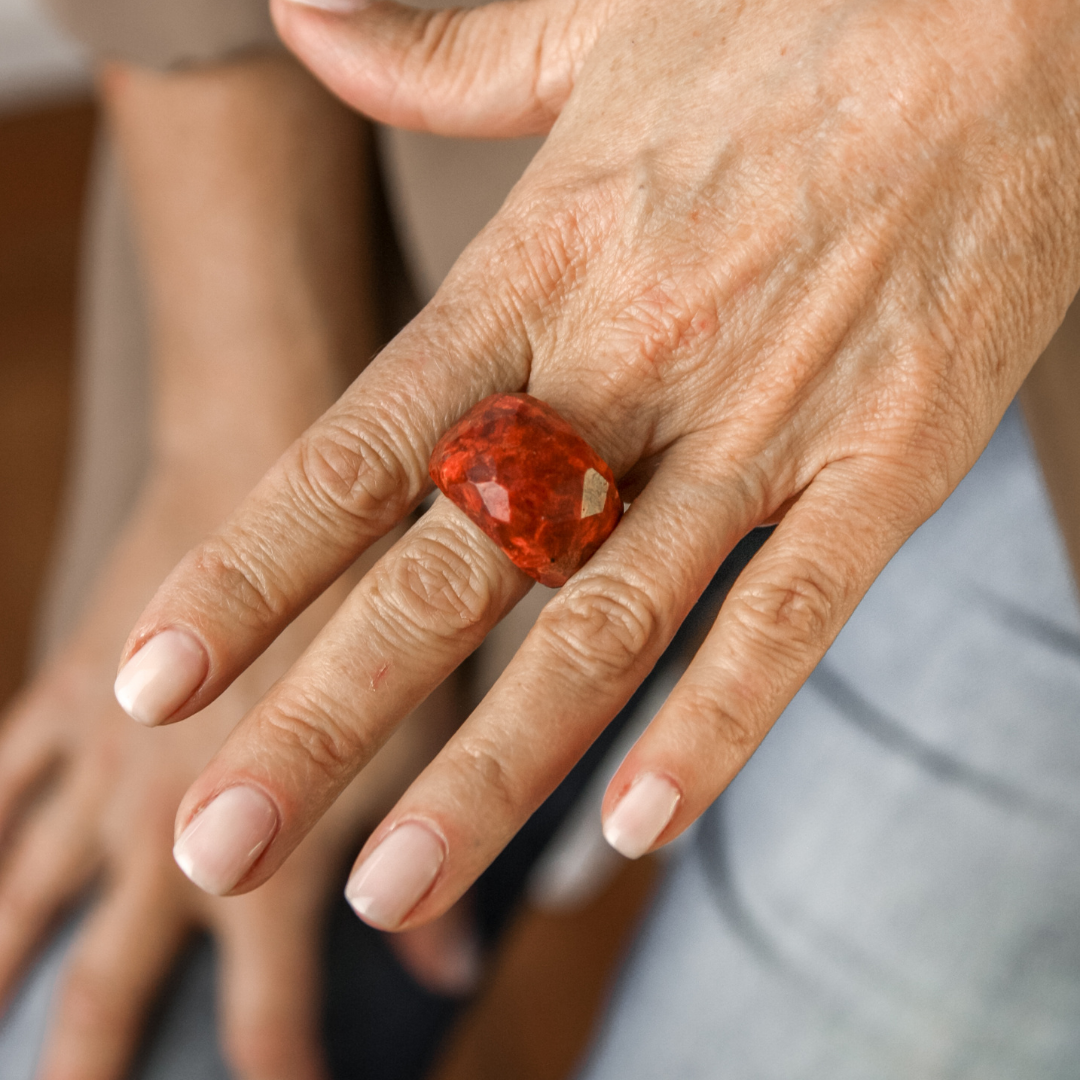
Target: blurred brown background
44 154
539 1004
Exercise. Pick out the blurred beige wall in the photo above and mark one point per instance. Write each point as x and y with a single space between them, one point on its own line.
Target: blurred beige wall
37 63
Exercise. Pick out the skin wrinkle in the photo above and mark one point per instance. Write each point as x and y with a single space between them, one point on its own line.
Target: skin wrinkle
492 335
603 627
448 595
441 40
555 246
400 625
853 354
484 769
330 750
247 590
343 470
557 75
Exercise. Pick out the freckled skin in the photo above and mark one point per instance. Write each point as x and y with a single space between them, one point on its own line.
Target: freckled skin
519 443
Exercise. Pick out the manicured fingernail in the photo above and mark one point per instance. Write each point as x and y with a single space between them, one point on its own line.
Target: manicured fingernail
339 7
161 676
641 815
222 841
393 879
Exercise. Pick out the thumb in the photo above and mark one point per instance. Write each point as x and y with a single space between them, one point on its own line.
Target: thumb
496 71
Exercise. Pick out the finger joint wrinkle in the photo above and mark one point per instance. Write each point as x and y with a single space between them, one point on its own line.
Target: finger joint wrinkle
435 589
344 472
236 573
798 611
332 747
604 630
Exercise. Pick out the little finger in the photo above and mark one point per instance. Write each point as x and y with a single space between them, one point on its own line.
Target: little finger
777 622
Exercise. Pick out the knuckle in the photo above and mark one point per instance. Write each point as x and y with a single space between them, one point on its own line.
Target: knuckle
665 320
352 472
738 729
305 729
483 769
550 239
794 616
242 580
437 587
602 629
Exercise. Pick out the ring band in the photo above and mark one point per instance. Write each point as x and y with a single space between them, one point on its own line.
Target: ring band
525 477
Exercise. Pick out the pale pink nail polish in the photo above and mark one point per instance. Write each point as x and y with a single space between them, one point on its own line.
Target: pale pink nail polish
222 841
641 815
161 676
338 7
393 879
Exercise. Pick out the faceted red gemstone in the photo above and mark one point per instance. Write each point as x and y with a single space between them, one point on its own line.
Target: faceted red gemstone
535 486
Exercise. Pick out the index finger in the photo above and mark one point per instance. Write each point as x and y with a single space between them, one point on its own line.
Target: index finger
344 483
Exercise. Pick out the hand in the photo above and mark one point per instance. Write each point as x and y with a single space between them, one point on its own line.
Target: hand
782 260
87 795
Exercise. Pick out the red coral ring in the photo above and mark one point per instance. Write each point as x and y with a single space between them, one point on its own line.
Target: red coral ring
530 482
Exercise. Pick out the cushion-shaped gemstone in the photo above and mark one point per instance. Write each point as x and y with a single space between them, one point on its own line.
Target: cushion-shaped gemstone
535 486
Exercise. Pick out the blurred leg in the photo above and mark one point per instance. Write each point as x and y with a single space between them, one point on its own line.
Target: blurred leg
111 438
889 889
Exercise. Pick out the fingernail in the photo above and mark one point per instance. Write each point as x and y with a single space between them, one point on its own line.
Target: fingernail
641 815
393 879
339 7
225 838
161 676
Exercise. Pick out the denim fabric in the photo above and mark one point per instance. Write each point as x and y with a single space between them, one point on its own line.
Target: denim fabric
891 887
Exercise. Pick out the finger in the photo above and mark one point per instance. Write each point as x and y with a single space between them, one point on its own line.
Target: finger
501 70
28 754
52 861
780 617
271 992
588 651
408 624
348 480
118 963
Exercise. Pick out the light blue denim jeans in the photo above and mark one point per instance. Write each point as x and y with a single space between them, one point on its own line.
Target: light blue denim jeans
890 890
